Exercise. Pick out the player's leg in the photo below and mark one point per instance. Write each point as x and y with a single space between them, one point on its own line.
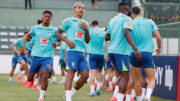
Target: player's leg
84 72
72 63
11 74
62 67
35 86
122 66
68 84
99 76
137 80
14 63
144 83
53 77
34 68
47 67
150 72
99 81
24 64
116 90
130 84
137 76
110 73
93 67
92 81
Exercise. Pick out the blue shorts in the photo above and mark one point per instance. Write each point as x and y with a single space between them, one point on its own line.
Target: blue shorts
120 62
107 64
14 62
46 63
96 61
76 61
61 63
146 62
22 57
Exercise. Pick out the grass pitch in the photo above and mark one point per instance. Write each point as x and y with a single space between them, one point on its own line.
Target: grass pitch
18 92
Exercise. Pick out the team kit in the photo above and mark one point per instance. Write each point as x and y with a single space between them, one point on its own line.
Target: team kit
124 50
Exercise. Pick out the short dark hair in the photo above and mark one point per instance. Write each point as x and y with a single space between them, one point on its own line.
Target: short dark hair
25 32
136 10
122 4
47 11
94 23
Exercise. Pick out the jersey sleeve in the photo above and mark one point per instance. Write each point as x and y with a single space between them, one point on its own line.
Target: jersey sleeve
154 26
55 38
65 25
128 24
32 31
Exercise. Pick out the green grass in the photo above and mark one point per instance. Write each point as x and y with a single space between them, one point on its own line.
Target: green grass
17 92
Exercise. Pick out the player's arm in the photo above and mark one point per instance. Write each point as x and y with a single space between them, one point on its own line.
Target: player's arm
107 37
13 48
64 51
131 42
25 36
158 39
106 46
58 43
61 37
87 36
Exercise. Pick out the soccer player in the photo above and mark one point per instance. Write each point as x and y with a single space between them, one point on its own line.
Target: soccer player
62 61
96 55
118 32
109 69
14 63
142 36
23 60
42 51
77 34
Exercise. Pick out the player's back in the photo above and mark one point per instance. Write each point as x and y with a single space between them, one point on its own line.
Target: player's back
118 43
95 45
142 34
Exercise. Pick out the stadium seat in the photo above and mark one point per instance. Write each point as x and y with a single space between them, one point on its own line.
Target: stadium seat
12 34
4 34
12 27
4 40
20 33
12 40
3 27
20 28
28 28
4 47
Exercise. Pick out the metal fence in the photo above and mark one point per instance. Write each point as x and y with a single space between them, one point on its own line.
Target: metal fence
170 34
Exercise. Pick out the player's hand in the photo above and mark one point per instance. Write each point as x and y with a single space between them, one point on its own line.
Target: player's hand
70 44
158 52
106 57
18 53
26 52
83 26
54 44
64 60
138 54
